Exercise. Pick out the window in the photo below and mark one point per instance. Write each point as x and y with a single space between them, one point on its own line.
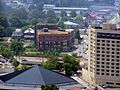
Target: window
107 70
117 71
112 70
98 47
117 83
108 48
107 66
103 51
113 49
113 45
117 63
98 69
118 45
98 66
97 73
113 52
112 74
113 56
107 73
118 41
102 66
103 48
103 44
108 44
113 60
108 55
98 40
113 41
102 73
98 54
118 56
117 53
103 63
117 74
109 83
108 52
108 63
108 41
103 55
117 67
103 40
102 70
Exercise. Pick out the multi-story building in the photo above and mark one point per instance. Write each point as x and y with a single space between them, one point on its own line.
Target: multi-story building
48 39
104 55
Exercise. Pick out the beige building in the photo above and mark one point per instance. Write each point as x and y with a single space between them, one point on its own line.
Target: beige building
104 56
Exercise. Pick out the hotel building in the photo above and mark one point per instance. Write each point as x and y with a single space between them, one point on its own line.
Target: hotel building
104 55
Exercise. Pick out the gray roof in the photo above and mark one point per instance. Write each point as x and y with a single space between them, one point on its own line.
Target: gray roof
36 76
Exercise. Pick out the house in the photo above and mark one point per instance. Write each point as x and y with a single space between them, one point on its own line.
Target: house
29 34
17 34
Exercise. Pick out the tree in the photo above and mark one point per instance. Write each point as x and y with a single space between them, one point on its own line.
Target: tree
79 18
49 87
15 22
52 63
73 14
1 31
16 47
63 13
51 17
5 52
71 64
8 31
3 21
15 63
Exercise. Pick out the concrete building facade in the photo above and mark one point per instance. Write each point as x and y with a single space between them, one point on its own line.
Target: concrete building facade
104 55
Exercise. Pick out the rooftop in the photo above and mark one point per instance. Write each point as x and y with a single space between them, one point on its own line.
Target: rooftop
36 76
53 32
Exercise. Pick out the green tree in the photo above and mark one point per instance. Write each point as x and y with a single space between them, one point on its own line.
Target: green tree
51 17
15 22
8 31
16 47
73 14
3 21
63 13
6 52
49 87
51 63
15 63
71 64
1 31
79 18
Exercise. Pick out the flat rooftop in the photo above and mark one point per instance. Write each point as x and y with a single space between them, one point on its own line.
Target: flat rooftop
53 32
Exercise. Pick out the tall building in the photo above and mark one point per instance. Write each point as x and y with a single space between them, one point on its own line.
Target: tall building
104 55
117 4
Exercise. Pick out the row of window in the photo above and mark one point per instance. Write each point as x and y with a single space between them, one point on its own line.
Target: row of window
112 83
108 48
108 52
107 59
108 74
108 41
108 63
108 36
113 56
112 67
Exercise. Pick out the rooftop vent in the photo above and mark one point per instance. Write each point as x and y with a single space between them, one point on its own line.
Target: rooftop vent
45 29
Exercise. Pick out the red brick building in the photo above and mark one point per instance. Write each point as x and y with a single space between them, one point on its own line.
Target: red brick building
48 39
